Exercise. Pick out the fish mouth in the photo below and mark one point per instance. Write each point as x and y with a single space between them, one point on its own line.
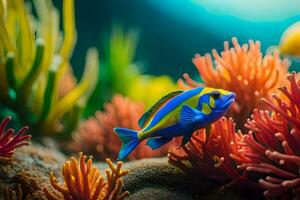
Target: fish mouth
229 100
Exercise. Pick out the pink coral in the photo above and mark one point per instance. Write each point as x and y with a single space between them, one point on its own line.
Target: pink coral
96 137
273 144
241 69
212 154
9 140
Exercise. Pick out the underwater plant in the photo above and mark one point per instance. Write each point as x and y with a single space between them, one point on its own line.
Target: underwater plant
34 58
272 146
9 140
119 67
15 194
241 69
82 180
96 136
119 59
211 153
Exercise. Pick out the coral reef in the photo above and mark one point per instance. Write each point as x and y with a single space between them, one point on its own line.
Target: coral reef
9 140
96 137
84 181
272 146
241 69
270 149
34 59
148 178
210 154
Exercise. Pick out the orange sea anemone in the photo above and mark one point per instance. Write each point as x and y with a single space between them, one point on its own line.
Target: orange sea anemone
84 181
96 135
274 144
241 69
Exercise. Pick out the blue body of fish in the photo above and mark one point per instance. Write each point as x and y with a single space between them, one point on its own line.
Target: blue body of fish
179 113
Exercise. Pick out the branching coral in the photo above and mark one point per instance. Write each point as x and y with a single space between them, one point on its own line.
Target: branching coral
9 140
96 135
34 58
84 181
274 145
243 70
212 154
15 194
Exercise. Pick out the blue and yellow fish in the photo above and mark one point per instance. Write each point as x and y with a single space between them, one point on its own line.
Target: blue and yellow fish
179 113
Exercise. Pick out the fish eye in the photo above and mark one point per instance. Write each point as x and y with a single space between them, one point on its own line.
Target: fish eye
215 95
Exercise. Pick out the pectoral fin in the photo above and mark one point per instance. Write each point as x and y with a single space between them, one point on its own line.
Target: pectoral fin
186 138
155 143
189 115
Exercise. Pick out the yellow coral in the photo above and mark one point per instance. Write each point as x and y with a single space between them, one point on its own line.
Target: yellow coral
84 181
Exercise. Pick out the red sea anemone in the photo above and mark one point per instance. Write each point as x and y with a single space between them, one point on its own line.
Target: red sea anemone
9 140
212 154
273 144
241 69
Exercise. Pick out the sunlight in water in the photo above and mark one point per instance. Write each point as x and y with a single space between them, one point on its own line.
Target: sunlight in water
253 10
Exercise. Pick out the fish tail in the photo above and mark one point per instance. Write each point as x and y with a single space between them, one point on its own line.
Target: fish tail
129 140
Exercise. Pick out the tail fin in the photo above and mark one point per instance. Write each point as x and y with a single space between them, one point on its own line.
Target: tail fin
129 139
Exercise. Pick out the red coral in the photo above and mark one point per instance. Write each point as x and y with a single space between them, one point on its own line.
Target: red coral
96 136
212 155
10 141
274 144
243 70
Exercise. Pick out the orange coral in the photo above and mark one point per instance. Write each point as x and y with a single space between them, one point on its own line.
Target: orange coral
212 154
96 135
274 145
15 194
84 181
243 70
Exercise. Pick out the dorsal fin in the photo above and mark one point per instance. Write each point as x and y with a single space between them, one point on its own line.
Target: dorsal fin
147 115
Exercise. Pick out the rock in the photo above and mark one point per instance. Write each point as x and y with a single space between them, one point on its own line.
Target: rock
156 179
30 168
